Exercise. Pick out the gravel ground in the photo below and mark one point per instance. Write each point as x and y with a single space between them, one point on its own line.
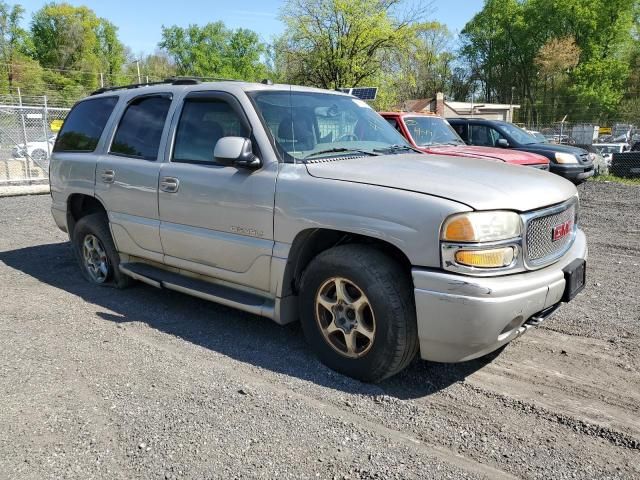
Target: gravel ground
150 384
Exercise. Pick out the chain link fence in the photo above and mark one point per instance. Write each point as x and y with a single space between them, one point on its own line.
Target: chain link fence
27 135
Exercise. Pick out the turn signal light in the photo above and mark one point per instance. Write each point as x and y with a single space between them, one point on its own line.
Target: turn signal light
494 258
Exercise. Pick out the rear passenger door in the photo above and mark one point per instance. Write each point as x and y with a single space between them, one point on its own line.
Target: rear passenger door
127 175
216 219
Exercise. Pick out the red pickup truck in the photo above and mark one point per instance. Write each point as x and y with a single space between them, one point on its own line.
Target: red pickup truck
433 134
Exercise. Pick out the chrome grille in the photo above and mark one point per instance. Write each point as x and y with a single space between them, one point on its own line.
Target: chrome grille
540 247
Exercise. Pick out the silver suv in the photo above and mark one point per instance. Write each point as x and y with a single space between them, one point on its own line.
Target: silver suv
298 203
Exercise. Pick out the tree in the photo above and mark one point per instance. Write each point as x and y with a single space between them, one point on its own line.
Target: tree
555 60
77 44
425 65
510 43
156 67
341 43
14 45
214 51
110 51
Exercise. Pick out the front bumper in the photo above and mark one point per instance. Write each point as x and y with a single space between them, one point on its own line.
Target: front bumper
574 172
462 317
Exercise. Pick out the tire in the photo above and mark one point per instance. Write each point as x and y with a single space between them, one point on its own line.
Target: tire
385 331
94 229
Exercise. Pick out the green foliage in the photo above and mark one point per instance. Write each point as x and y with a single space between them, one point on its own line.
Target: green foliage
340 43
214 51
76 43
614 179
14 46
156 67
424 66
507 42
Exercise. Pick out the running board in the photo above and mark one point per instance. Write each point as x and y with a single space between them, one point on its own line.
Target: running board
159 278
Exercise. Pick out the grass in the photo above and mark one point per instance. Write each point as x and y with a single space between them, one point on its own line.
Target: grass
613 178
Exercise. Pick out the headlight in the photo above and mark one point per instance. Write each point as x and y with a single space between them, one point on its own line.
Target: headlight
566 158
474 227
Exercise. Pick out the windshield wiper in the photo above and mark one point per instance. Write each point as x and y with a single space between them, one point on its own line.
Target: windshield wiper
341 150
395 148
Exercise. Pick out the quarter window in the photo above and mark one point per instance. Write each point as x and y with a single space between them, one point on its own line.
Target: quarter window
202 123
84 125
140 129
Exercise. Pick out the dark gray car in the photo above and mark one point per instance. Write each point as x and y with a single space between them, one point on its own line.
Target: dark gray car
572 163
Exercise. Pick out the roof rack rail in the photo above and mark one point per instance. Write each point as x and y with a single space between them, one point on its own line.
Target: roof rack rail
172 81
183 81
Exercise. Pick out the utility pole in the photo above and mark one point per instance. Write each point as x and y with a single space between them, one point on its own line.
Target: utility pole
138 67
27 159
101 80
511 105
473 94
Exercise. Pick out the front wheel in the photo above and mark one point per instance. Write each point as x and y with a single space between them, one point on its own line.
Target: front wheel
357 312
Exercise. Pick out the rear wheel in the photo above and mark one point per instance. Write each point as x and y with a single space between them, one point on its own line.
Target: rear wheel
357 312
96 253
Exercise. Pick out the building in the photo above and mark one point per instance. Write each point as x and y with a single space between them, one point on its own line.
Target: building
448 109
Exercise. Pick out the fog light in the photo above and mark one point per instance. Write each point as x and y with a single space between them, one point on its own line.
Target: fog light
494 258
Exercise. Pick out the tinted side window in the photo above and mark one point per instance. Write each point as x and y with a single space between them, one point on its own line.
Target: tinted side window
481 135
462 130
202 123
140 129
84 125
496 136
393 122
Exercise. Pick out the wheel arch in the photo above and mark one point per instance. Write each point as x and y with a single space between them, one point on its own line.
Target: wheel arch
307 245
80 205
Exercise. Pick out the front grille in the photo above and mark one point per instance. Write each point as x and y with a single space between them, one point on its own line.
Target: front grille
540 247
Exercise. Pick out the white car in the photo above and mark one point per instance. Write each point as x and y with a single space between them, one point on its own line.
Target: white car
38 151
608 149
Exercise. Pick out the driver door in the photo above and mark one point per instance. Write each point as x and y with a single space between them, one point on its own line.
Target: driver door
216 219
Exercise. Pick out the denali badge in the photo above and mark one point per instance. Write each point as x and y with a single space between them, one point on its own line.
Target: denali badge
562 230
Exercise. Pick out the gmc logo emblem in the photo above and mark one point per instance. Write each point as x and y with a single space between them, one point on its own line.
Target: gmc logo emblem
562 230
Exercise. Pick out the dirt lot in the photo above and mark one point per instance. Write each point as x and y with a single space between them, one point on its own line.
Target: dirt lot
142 383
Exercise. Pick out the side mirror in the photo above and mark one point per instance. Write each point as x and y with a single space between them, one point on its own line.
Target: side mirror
236 151
502 143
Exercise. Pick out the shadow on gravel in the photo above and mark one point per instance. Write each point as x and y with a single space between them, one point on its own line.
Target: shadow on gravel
236 334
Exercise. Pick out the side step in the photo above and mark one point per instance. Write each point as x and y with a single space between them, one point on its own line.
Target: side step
222 294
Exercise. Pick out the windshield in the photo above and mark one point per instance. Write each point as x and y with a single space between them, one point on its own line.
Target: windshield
431 131
318 125
518 134
541 138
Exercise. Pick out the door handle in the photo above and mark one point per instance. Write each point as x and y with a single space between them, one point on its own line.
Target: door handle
108 176
169 184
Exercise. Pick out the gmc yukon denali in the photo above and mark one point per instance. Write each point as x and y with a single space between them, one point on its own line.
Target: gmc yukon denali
298 203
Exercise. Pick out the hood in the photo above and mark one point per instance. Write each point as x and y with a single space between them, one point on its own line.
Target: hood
509 156
553 147
479 185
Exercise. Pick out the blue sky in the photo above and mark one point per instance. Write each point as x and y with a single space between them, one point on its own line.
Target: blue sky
139 21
